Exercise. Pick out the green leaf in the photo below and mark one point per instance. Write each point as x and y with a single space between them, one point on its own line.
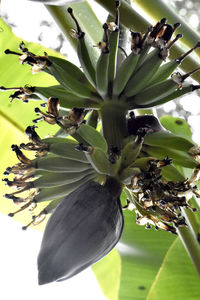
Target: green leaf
107 272
15 75
16 116
177 126
177 277
141 253
92 137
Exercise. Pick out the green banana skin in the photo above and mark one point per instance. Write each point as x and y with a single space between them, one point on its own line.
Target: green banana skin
102 74
57 140
113 46
62 70
59 164
67 98
140 78
127 174
168 140
84 227
57 179
151 94
143 163
98 160
88 62
178 93
85 55
50 193
164 72
130 152
92 137
143 56
67 151
124 73
179 157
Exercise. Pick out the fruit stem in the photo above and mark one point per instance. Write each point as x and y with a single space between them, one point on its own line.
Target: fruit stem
191 220
114 124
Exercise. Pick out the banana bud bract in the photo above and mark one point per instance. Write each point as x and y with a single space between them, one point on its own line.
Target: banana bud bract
85 226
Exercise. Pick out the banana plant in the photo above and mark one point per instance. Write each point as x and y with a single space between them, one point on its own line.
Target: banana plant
109 171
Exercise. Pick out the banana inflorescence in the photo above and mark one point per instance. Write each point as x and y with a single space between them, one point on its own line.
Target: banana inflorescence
105 148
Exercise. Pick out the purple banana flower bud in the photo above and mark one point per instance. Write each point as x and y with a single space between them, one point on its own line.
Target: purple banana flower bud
85 226
149 122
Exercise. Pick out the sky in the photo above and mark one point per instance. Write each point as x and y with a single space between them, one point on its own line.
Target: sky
18 269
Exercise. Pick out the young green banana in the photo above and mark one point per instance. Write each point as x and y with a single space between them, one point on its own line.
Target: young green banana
153 93
168 68
141 77
53 194
143 163
47 194
59 164
131 150
102 65
68 151
127 175
128 66
67 98
178 93
97 158
160 90
54 179
124 73
113 47
70 77
58 140
92 137
88 62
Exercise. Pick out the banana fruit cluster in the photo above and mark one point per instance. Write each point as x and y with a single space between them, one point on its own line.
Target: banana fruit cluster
106 148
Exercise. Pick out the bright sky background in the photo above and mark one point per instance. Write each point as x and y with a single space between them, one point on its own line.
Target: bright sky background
18 269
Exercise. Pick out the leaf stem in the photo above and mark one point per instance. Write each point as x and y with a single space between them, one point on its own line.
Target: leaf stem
191 245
